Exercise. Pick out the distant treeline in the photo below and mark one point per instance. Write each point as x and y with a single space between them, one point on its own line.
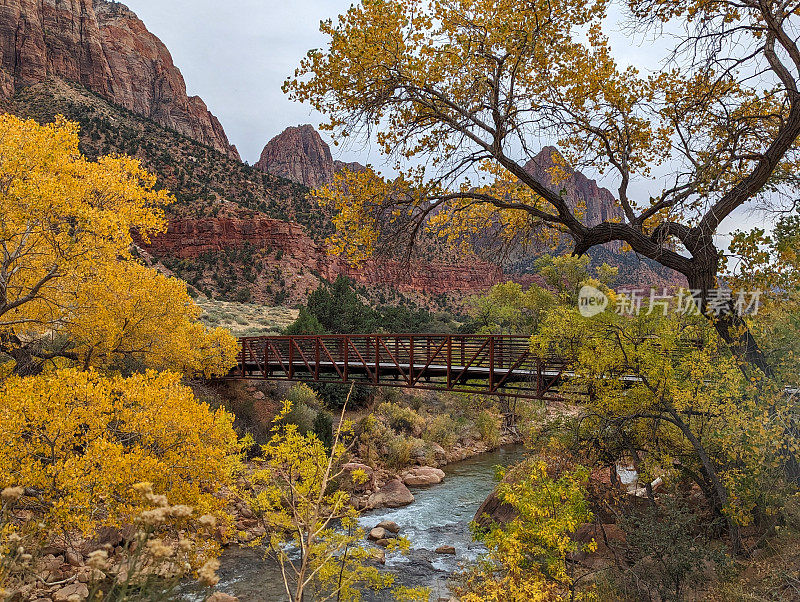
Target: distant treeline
337 308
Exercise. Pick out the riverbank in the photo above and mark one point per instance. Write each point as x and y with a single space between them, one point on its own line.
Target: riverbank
440 515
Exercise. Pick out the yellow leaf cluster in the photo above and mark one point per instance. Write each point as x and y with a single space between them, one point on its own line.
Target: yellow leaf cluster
527 558
70 287
79 442
295 499
668 387
127 310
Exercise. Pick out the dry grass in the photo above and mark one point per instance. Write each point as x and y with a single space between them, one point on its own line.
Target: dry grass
246 319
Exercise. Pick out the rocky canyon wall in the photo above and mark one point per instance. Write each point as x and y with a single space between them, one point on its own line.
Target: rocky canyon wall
105 47
592 203
301 155
297 252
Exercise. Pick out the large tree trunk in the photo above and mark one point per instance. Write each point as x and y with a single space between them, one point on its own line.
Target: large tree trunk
25 361
710 471
737 336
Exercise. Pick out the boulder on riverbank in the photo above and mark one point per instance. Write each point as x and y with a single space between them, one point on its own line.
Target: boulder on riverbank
492 510
422 476
364 482
390 526
392 495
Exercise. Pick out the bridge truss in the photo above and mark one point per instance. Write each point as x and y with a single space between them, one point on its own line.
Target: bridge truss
499 365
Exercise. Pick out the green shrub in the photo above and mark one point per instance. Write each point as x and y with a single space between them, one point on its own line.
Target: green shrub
303 416
323 427
441 429
243 295
402 419
390 395
488 425
302 393
371 435
399 451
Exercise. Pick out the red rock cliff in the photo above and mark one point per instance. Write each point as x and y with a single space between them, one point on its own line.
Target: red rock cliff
298 154
189 238
105 47
595 203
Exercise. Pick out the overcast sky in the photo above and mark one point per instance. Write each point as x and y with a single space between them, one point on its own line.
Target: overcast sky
236 54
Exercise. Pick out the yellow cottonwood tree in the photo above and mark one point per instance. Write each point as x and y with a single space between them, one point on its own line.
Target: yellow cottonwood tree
77 442
301 510
666 392
528 558
472 89
129 312
70 289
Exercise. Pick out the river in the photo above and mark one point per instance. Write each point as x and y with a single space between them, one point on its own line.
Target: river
440 515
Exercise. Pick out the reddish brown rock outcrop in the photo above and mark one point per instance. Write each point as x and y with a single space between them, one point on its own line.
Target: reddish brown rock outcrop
105 47
493 510
349 166
188 238
594 203
298 154
301 155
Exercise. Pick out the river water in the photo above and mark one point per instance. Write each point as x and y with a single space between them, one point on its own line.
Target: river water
440 515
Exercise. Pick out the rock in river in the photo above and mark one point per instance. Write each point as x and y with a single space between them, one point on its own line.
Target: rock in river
377 533
422 476
392 495
389 525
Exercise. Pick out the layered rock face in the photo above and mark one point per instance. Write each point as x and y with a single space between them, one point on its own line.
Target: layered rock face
301 155
298 154
188 238
595 204
105 47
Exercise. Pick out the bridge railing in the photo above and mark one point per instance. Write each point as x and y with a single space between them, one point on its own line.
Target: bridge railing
492 364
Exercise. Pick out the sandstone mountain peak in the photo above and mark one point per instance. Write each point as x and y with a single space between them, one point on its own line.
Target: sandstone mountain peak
300 154
105 47
598 204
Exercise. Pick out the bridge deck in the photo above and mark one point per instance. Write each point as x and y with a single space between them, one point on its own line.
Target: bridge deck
488 364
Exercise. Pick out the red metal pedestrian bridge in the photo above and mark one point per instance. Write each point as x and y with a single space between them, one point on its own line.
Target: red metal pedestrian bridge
488 364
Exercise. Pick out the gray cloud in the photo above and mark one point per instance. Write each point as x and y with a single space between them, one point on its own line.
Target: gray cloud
237 54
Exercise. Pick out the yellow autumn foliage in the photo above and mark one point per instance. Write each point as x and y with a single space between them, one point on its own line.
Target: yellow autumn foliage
78 311
668 388
129 311
71 290
527 558
462 96
303 510
78 442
